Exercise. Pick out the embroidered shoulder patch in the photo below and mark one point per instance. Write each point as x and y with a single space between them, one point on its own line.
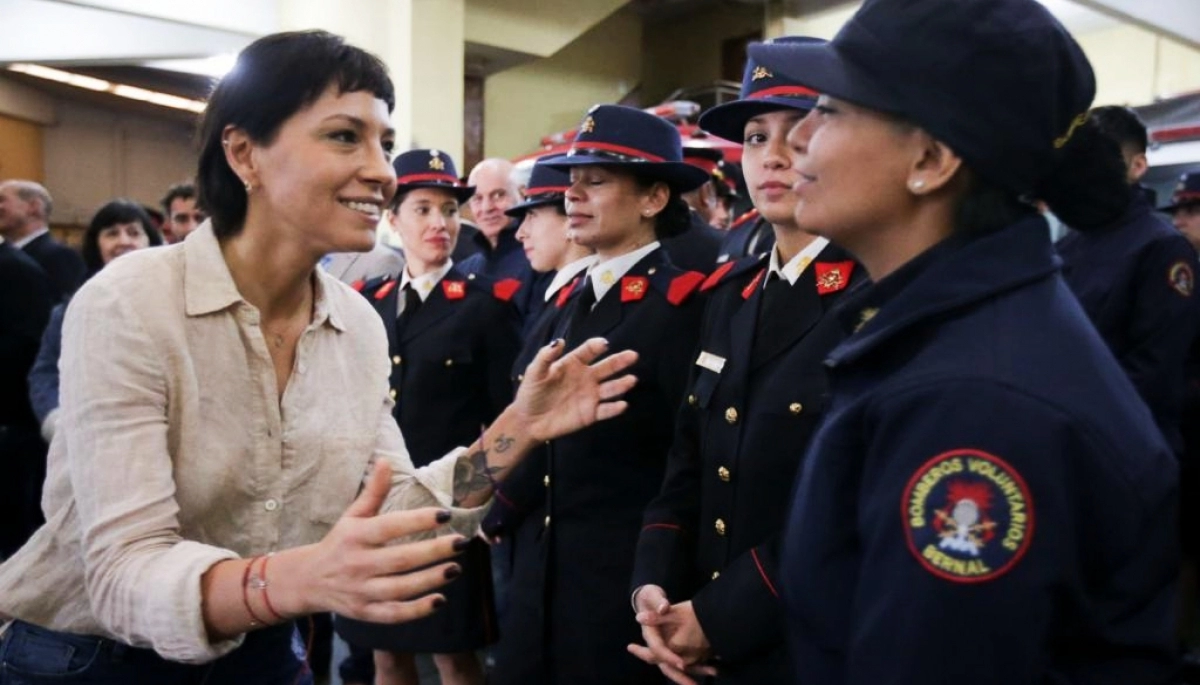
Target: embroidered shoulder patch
454 290
1181 278
832 276
968 516
633 288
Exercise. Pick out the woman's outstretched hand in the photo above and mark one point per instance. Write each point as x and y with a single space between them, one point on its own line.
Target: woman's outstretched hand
561 394
353 571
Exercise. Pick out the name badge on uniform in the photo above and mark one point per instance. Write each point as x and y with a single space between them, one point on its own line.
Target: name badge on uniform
710 361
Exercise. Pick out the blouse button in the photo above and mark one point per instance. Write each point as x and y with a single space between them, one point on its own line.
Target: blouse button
271 505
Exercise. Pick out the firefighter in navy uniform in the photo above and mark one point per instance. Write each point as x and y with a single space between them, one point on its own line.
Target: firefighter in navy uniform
542 229
568 620
709 547
1135 276
987 500
452 338
749 235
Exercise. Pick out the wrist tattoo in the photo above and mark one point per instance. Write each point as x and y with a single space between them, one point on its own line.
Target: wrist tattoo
503 443
473 474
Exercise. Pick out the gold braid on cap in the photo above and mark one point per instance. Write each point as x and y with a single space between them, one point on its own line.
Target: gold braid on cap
1075 123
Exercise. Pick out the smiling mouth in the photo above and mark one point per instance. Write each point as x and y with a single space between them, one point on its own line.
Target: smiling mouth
367 208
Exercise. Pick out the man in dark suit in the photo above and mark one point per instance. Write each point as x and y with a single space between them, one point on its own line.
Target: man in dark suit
24 222
499 254
26 298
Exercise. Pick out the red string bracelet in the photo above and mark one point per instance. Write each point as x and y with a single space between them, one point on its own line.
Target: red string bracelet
255 621
259 582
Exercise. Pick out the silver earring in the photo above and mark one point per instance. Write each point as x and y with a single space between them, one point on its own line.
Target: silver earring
917 185
249 187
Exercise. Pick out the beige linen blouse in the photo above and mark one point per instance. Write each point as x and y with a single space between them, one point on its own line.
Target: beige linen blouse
174 451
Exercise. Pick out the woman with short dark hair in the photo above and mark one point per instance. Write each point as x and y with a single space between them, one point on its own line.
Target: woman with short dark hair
206 484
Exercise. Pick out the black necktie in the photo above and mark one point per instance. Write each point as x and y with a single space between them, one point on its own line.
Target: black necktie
583 306
412 302
772 315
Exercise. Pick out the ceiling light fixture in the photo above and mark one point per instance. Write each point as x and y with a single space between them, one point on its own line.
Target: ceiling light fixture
100 85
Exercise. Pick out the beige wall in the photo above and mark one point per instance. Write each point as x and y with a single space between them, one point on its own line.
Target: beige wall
20 150
687 52
94 155
524 103
537 27
1135 67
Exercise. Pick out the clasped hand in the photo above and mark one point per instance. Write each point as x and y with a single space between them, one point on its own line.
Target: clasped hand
675 640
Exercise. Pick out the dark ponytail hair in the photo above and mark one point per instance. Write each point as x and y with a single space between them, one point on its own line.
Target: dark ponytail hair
675 218
1087 188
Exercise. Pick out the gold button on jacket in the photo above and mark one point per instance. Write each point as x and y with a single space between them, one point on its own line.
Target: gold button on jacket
720 526
723 474
731 415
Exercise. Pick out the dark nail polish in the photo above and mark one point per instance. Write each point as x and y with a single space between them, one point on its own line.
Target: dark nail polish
438 603
461 544
443 516
453 572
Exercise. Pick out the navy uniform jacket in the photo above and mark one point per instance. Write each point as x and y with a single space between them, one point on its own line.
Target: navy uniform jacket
988 500
507 263
449 380
450 367
568 619
63 264
749 236
695 249
523 493
713 533
1136 279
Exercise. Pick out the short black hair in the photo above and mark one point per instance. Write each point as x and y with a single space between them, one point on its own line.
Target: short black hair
1122 125
275 77
185 191
119 211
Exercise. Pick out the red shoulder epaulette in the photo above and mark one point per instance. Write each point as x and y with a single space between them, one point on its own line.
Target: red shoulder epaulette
744 218
386 288
564 293
358 285
504 290
749 289
683 286
715 277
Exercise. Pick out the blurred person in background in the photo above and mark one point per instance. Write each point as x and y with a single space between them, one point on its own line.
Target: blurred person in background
182 216
25 209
